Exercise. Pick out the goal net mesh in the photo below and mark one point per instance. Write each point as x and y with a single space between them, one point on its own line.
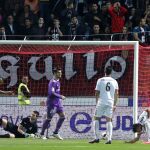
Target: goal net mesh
82 66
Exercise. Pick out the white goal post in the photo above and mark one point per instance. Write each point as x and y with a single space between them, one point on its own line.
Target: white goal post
135 45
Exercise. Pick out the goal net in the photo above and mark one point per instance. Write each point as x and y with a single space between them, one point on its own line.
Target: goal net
82 63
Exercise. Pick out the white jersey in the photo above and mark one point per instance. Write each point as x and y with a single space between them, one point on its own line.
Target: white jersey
107 87
144 120
144 117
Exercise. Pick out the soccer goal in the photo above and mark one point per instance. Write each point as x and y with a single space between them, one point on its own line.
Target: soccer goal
83 62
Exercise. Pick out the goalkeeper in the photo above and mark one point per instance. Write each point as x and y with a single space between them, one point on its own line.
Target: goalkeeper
24 92
142 126
27 128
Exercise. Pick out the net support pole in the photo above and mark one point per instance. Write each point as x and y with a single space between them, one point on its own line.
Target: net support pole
135 82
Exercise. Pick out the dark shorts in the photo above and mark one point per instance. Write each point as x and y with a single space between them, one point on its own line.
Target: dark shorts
14 130
51 111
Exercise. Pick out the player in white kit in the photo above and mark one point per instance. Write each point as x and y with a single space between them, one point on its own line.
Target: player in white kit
106 93
142 126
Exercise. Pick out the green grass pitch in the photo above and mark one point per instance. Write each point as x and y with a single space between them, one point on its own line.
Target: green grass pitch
53 144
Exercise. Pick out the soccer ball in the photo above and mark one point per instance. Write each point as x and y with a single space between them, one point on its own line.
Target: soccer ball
104 135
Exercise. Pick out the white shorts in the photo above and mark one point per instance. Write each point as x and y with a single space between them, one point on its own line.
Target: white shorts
104 110
147 127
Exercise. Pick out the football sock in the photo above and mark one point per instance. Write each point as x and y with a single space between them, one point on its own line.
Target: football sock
96 128
45 126
109 130
59 124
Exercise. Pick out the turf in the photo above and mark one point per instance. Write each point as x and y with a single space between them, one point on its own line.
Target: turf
52 144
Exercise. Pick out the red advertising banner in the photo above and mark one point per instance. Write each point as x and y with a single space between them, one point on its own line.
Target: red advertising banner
81 65
81 68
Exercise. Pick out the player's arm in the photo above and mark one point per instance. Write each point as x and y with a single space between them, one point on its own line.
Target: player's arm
51 91
21 129
97 93
97 90
7 92
116 97
135 139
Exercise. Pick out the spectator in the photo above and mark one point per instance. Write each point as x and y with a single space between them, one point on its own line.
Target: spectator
93 16
2 33
104 16
11 28
28 30
44 9
96 33
16 12
67 13
133 19
107 34
148 27
117 13
74 30
125 35
39 30
80 7
108 5
139 32
54 32
27 13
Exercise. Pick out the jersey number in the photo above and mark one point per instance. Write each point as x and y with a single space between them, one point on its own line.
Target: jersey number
108 86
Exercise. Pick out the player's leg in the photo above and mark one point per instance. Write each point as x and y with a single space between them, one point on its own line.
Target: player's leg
98 113
7 127
96 130
46 123
5 136
59 123
147 125
109 126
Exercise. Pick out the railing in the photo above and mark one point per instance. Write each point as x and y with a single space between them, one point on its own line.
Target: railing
94 37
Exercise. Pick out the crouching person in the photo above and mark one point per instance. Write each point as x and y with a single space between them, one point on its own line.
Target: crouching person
27 128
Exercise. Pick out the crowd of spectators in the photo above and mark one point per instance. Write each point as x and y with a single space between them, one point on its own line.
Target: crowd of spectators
75 20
